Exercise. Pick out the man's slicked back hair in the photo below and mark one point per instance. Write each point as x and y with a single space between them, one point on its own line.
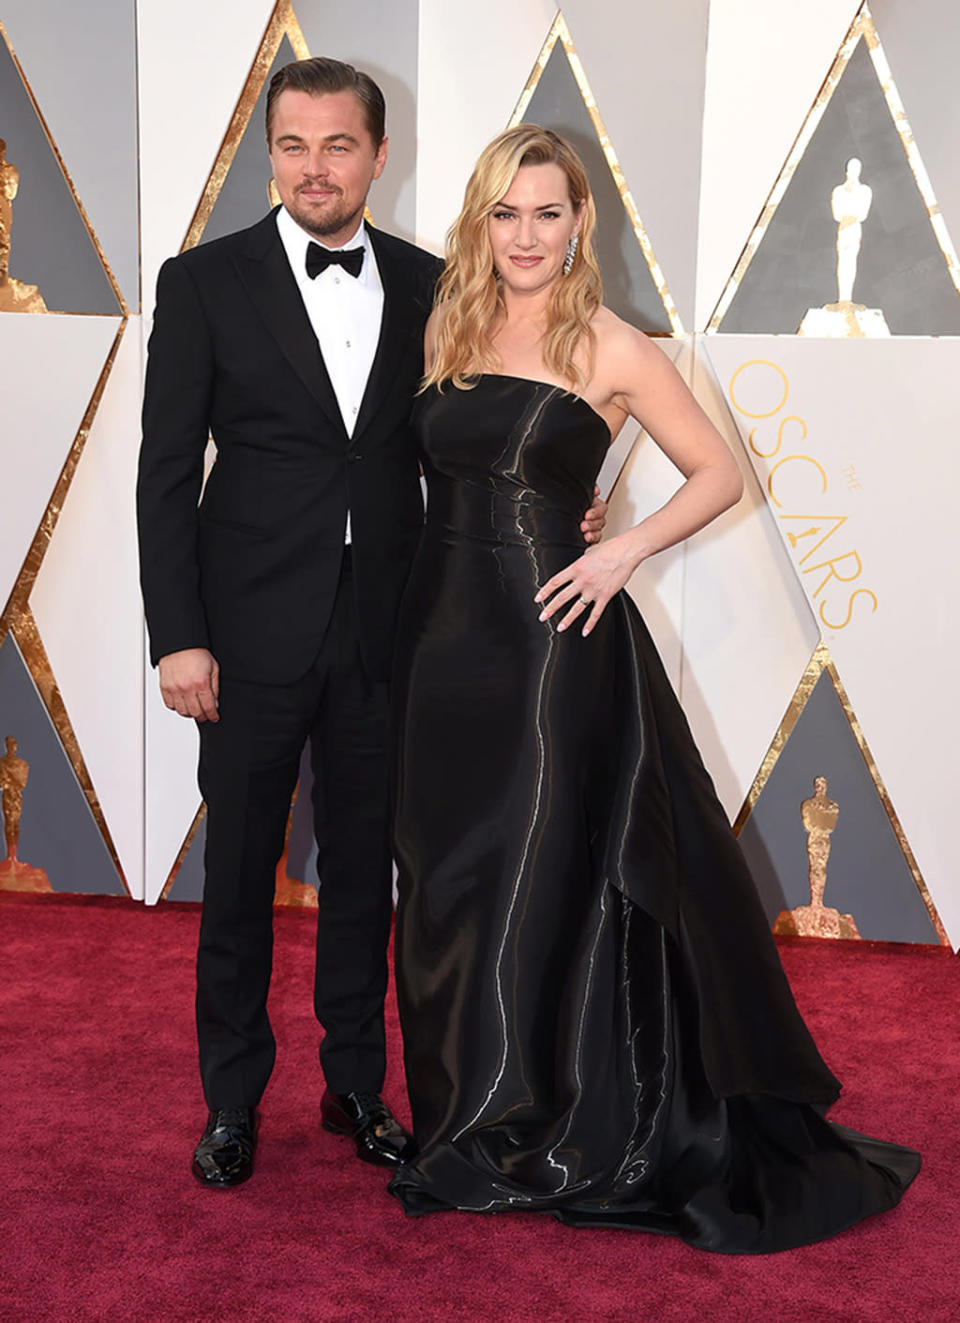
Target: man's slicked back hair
318 76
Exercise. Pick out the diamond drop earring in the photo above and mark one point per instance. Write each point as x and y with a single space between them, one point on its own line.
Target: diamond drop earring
571 254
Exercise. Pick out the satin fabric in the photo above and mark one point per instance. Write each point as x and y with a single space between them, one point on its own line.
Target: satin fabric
595 1019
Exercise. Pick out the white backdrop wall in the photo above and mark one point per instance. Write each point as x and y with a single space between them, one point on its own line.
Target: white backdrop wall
703 103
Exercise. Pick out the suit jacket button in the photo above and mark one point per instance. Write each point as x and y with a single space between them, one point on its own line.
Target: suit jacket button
355 456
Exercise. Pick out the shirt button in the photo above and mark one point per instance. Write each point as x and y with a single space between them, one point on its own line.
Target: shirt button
336 280
348 344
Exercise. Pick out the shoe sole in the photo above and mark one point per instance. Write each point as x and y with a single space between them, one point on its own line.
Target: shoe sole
220 1185
332 1128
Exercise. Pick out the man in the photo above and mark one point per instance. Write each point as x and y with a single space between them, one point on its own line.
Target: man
298 345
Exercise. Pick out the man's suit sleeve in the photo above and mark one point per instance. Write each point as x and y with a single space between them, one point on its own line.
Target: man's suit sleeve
434 272
176 422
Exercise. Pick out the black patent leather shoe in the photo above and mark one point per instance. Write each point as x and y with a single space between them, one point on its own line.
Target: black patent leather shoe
224 1156
366 1118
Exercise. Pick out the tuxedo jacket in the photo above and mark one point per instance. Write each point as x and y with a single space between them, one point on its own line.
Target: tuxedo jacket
252 571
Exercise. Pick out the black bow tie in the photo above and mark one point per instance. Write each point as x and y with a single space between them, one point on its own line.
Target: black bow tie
319 258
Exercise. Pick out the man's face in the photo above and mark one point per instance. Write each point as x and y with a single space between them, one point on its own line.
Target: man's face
324 161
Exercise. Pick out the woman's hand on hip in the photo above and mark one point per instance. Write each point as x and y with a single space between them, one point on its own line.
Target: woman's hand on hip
586 586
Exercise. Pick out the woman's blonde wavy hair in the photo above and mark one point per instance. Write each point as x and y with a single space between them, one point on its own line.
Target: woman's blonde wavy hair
469 290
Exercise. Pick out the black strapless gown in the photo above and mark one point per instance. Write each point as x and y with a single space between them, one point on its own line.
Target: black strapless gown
595 1019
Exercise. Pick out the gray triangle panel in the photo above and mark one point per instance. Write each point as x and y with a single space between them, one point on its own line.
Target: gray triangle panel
50 246
58 833
628 286
867 874
900 269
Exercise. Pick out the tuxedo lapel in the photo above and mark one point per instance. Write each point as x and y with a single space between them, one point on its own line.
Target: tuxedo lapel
395 339
266 275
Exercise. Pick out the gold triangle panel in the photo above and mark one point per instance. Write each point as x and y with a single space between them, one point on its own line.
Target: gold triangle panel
852 216
17 619
872 861
191 878
559 40
185 880
65 844
50 257
282 24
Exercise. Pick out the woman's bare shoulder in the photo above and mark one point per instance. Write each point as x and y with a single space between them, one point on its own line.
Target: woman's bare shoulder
621 349
615 336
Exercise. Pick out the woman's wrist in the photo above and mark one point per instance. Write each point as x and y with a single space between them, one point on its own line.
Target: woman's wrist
637 546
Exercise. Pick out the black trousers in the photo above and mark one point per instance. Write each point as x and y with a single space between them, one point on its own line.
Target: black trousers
248 770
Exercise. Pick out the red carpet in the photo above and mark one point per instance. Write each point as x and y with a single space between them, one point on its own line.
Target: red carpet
101 1220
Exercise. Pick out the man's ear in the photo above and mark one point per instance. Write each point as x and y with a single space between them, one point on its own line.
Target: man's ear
381 158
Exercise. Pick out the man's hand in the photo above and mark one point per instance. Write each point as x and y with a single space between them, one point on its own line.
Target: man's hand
595 520
190 683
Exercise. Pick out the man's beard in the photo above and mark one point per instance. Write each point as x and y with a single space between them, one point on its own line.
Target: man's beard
331 223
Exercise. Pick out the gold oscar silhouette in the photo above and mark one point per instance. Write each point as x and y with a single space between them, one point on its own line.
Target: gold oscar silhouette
819 816
14 874
15 296
850 204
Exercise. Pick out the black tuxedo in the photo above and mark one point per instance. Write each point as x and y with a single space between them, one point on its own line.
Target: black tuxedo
253 575
303 633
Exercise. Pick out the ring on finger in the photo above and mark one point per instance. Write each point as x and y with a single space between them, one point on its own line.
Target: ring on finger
585 601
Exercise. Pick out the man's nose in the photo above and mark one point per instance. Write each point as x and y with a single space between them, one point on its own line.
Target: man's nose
314 165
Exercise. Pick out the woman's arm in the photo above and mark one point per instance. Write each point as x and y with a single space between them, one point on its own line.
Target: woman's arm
644 384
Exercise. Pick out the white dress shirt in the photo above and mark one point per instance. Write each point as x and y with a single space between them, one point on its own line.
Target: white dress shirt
345 313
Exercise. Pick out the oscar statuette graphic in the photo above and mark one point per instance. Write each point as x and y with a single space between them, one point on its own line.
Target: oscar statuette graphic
850 204
14 874
15 296
819 814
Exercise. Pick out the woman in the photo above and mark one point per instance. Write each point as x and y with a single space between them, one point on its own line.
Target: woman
595 1020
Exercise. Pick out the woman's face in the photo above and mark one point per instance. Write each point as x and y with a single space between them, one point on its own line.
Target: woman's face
531 226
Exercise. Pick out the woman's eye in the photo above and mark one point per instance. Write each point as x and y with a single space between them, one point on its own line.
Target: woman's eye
503 215
549 215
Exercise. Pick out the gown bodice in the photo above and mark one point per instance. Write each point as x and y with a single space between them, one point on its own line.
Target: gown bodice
511 459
